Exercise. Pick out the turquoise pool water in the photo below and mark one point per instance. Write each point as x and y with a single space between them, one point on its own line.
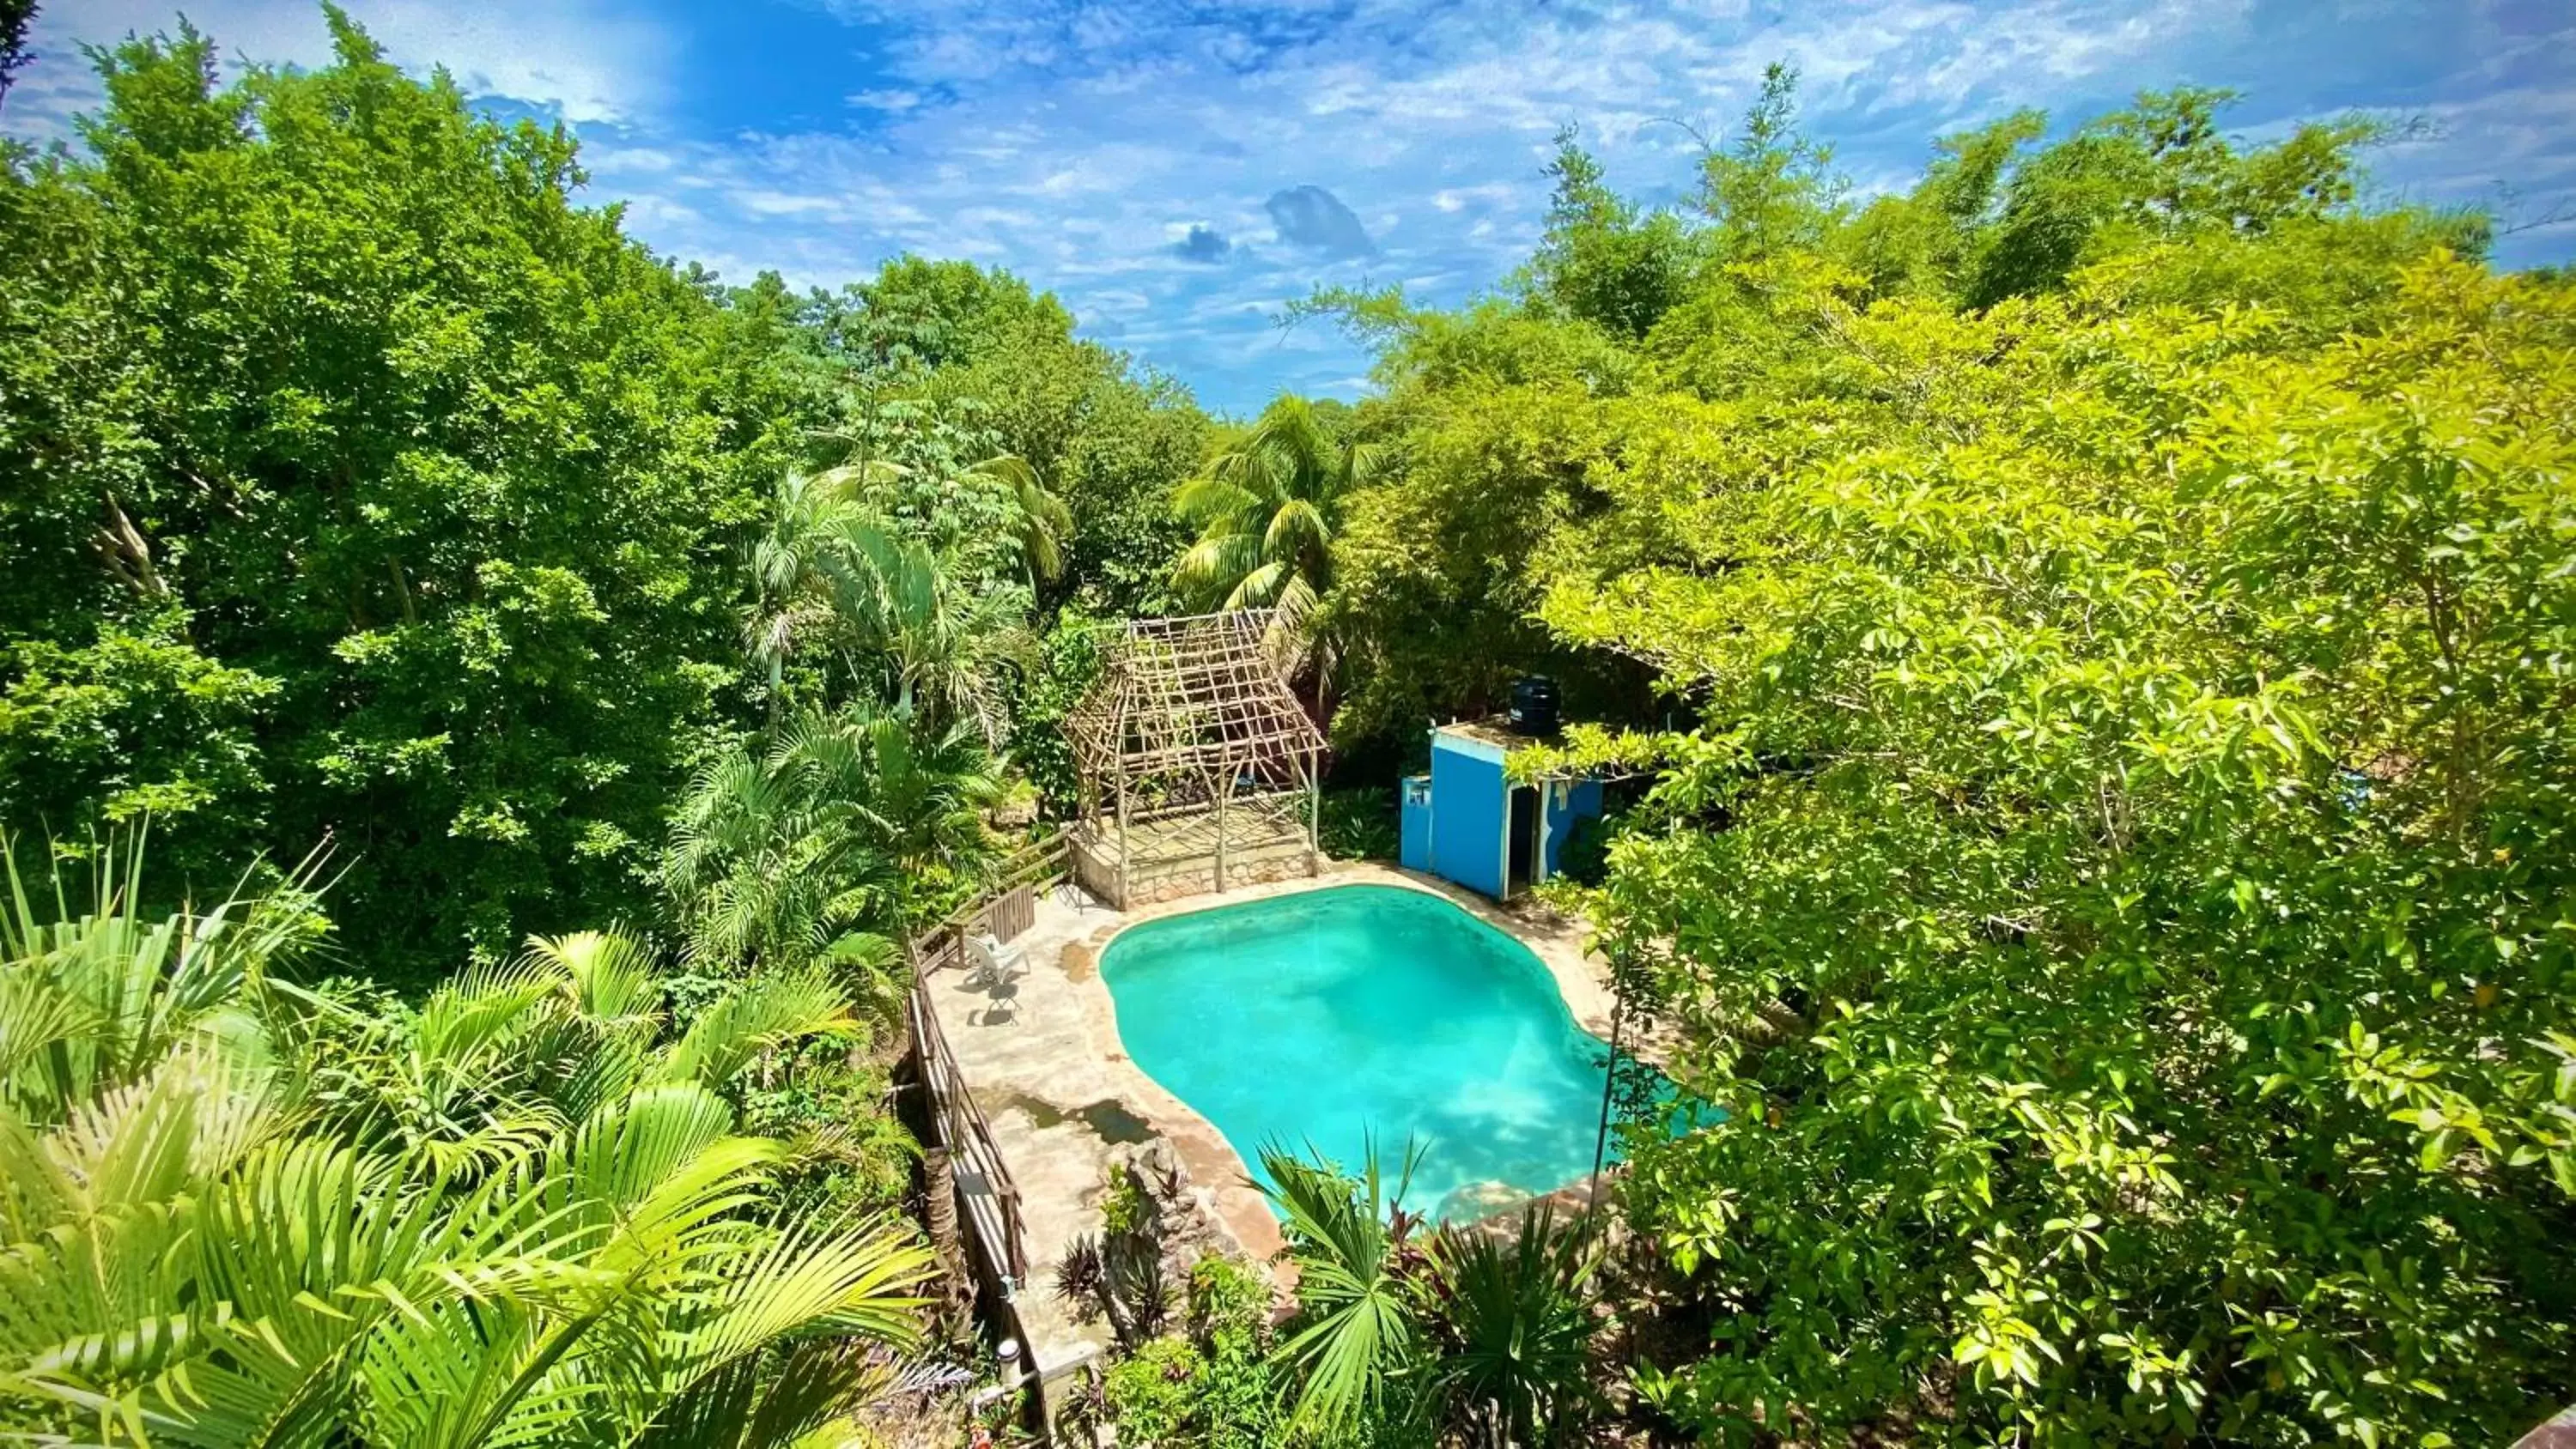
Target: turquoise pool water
1330 1015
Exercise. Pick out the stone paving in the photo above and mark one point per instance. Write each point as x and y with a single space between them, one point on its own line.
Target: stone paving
1043 1059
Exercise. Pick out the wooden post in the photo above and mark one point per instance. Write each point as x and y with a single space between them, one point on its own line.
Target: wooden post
1119 742
1314 810
1123 842
1225 787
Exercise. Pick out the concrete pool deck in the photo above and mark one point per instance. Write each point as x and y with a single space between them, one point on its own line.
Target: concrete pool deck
1044 1061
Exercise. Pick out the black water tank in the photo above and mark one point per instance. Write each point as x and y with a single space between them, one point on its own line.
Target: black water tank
1534 705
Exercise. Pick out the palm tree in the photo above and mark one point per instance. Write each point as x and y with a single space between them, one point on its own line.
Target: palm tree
1045 524
816 851
757 873
91 998
1511 1320
830 573
806 517
1268 508
203 1241
912 792
1484 1334
1355 1342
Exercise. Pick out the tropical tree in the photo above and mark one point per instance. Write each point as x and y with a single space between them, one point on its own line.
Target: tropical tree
1045 525
821 846
883 448
813 525
1268 507
900 620
1479 1333
362 482
208 1243
754 876
912 792
2115 884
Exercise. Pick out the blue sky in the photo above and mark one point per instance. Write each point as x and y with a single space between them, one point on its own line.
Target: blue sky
1176 171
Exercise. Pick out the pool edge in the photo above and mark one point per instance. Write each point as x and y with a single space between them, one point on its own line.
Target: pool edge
1560 946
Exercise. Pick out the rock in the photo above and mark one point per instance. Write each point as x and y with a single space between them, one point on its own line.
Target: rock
1184 1216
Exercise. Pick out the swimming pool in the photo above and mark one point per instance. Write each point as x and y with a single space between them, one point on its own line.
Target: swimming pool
1328 1016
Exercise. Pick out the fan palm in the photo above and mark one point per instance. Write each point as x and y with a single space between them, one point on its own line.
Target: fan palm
1355 1344
1513 1325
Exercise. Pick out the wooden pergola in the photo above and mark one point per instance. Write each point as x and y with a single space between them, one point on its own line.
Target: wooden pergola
1194 758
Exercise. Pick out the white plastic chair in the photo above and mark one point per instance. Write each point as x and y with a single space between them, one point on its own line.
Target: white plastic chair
995 964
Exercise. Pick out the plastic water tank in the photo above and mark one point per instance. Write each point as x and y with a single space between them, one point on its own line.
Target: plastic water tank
1534 705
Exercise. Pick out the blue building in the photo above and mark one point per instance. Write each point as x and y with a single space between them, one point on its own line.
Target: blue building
1467 822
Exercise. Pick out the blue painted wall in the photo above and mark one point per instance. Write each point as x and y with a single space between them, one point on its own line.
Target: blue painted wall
1414 797
1469 799
1579 801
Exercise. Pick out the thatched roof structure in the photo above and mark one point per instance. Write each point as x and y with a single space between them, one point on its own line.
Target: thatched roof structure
1191 746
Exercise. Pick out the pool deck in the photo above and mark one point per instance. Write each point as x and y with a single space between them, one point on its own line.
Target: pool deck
1044 1061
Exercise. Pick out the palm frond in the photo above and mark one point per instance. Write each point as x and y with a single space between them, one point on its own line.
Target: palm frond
755 1016
1356 1339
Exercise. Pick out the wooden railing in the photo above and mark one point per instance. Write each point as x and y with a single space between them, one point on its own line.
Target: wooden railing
984 1188
1007 907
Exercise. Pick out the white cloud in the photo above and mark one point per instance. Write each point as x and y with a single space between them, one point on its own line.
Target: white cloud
1081 144
1459 198
895 100
592 60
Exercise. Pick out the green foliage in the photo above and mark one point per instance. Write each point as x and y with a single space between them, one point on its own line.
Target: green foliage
1586 858
1476 1334
1601 261
320 377
2161 169
1432 598
2141 817
1118 1273
537 1220
134 723
1068 662
1154 1394
1770 189
935 313
2106 617
1126 1211
1203 1392
17 17
1511 1318
367 488
1355 1341
1211 1388
840 837
1268 508
1360 824
1109 443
